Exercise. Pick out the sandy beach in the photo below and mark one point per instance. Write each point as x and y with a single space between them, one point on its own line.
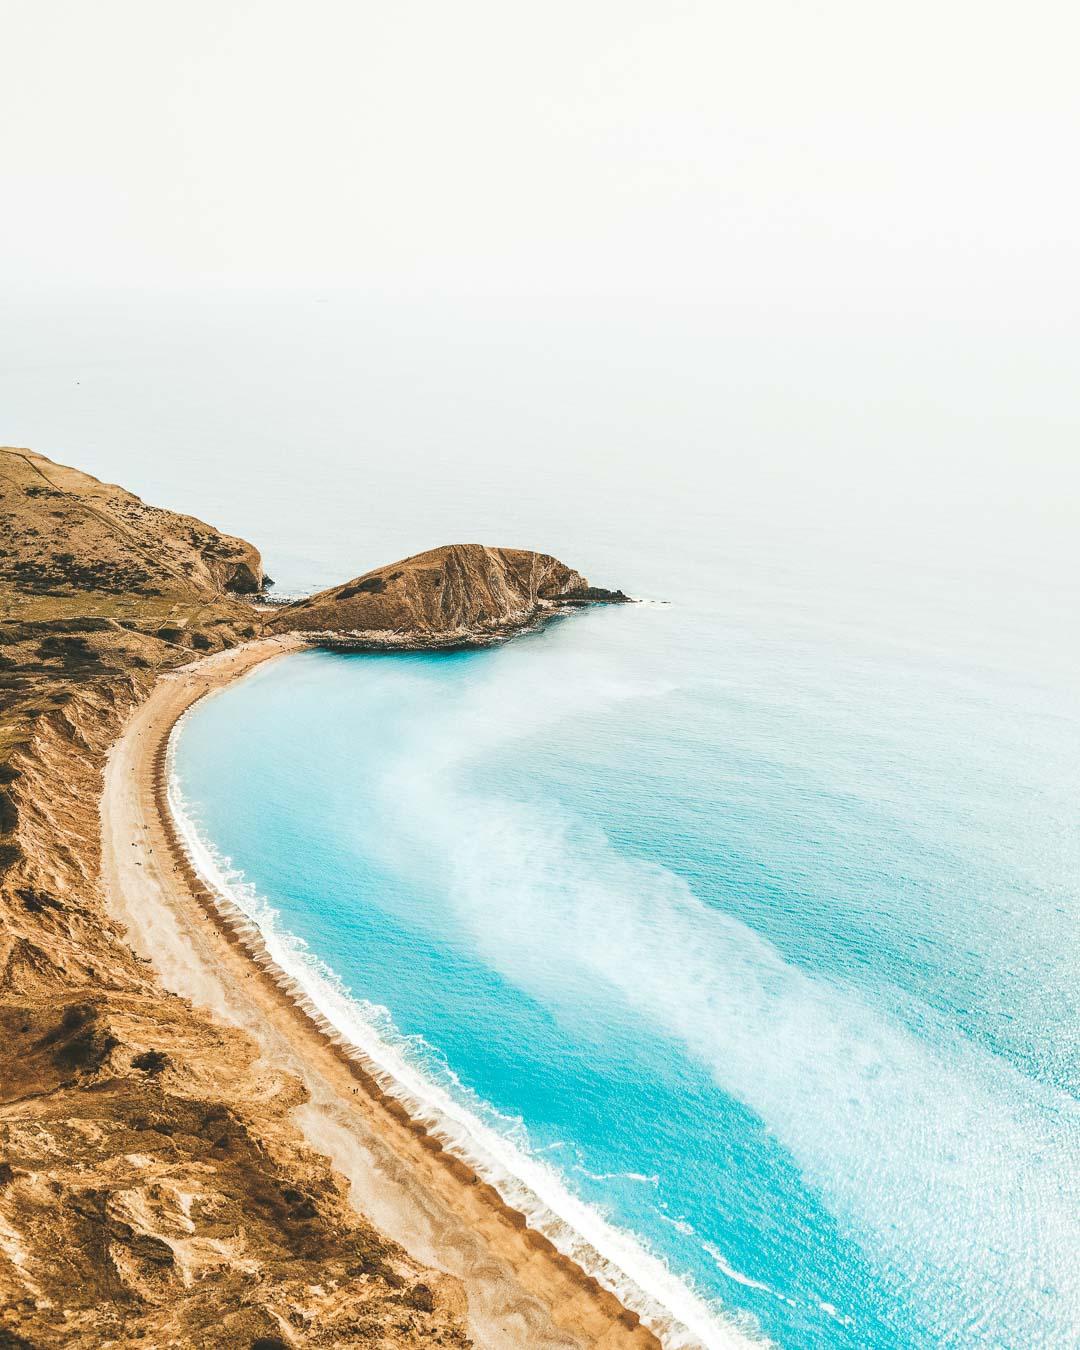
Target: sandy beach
521 1291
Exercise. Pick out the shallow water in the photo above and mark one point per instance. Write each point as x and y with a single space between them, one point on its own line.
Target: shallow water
760 943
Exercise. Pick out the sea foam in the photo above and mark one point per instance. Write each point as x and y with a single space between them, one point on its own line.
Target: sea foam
901 1135
950 1171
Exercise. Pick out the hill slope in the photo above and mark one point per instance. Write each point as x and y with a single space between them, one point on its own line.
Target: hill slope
67 535
93 582
153 1186
154 1189
460 593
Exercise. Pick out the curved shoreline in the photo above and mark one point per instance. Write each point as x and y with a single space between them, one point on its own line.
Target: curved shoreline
521 1289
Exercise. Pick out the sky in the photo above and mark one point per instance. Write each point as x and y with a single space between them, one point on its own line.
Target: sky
787 288
830 248
835 154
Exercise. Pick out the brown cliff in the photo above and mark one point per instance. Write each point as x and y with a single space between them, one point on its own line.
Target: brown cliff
67 536
460 594
153 1187
95 584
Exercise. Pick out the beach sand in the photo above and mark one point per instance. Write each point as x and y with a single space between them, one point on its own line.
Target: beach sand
521 1291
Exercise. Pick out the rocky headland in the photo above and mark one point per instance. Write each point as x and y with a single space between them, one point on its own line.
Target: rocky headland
155 1187
460 595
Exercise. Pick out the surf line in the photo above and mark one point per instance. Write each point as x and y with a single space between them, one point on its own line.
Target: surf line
633 1286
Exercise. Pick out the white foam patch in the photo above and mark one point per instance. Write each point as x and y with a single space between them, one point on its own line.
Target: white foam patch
642 1281
645 1180
959 1177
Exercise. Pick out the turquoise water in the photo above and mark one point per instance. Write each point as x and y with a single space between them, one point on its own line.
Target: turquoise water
747 920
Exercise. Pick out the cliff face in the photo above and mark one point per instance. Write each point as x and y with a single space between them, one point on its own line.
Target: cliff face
152 1186
67 533
94 584
457 593
153 1189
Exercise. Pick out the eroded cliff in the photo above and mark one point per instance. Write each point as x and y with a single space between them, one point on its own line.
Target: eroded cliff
459 594
153 1188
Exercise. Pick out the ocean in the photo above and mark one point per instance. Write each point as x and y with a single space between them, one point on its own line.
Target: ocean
734 932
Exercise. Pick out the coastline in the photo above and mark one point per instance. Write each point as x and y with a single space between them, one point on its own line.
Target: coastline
520 1289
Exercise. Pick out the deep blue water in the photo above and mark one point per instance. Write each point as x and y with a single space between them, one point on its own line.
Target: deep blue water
752 920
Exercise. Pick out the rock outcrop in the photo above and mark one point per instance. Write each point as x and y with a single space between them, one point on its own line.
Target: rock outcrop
457 595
